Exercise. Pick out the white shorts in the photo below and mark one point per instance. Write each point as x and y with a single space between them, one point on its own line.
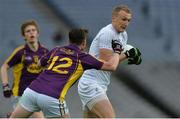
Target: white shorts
90 94
51 107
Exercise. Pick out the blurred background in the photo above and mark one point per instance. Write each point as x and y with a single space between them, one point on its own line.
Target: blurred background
150 90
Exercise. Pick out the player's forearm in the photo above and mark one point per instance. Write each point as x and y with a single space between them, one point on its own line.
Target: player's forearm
111 64
4 74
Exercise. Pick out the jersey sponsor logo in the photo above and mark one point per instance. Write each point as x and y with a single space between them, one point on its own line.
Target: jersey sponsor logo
28 58
34 67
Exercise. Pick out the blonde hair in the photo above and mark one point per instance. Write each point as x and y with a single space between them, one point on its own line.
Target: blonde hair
118 8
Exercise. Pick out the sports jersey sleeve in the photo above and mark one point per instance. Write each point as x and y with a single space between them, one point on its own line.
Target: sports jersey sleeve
44 59
90 62
15 57
105 40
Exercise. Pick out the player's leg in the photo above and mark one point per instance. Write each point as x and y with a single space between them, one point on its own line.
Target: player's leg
101 107
20 112
26 105
52 107
88 114
37 115
8 114
66 116
14 101
94 97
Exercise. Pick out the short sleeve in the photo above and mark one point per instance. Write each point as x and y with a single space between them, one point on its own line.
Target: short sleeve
15 57
90 62
105 40
45 58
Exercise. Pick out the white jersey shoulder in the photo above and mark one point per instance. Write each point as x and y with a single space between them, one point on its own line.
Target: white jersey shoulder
103 40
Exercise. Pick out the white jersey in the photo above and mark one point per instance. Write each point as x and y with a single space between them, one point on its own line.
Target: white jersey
102 40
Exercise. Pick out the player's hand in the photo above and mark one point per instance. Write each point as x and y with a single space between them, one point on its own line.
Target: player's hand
134 52
7 92
136 60
117 46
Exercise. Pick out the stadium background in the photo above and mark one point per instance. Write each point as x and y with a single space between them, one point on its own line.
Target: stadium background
149 90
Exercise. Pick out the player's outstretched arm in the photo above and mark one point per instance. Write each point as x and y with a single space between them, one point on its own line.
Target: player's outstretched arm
4 77
4 73
113 62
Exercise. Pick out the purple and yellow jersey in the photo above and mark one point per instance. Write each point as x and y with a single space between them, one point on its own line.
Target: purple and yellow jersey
64 67
25 67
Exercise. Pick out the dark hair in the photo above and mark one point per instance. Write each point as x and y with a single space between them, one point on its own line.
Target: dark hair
119 8
27 23
77 35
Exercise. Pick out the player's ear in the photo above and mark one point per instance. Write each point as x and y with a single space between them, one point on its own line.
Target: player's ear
83 45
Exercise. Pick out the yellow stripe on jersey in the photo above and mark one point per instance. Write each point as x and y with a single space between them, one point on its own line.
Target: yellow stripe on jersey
17 71
14 52
74 77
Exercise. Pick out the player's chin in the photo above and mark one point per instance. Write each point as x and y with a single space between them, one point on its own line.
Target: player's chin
32 41
121 30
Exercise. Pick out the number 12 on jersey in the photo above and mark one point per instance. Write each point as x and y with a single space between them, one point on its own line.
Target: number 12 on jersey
59 68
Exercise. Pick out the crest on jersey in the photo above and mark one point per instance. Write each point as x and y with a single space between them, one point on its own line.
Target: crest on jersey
28 58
